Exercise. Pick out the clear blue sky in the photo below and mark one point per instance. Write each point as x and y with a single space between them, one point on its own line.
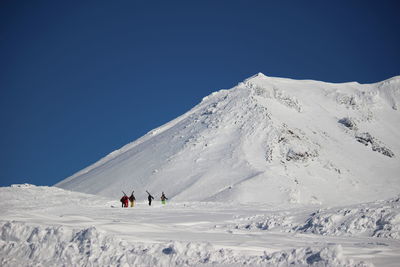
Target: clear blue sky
79 79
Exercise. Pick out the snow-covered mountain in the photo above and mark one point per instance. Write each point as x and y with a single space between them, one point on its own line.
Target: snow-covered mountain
270 140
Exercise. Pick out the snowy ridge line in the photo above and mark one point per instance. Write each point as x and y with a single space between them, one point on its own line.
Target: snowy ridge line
389 80
21 243
260 75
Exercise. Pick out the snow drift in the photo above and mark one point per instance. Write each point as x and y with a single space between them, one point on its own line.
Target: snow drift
271 140
21 243
373 219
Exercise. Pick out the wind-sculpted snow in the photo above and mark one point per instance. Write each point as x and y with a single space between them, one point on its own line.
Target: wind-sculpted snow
22 244
359 100
273 92
373 219
280 221
376 219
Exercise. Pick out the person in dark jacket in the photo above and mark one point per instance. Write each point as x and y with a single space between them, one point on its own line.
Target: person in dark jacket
149 198
132 199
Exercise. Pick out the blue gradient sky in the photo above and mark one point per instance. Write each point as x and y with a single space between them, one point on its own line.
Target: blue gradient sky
79 79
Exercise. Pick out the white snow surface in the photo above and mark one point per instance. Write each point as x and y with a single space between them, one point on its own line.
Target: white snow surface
270 140
48 226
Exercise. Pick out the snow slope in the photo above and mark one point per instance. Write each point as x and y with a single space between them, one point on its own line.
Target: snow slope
42 226
270 140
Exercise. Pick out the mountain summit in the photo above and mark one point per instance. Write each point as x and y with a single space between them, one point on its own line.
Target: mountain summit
269 140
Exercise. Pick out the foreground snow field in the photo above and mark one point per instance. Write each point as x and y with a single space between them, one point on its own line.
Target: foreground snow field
51 226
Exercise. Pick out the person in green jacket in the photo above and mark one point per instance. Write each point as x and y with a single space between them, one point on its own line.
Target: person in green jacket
163 198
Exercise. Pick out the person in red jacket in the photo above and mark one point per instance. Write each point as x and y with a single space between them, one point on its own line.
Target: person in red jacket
124 201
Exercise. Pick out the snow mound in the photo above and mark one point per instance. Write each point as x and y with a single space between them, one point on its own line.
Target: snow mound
377 219
40 196
373 219
21 243
328 256
265 222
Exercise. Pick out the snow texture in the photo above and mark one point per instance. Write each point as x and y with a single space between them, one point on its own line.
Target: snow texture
380 219
375 219
21 243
